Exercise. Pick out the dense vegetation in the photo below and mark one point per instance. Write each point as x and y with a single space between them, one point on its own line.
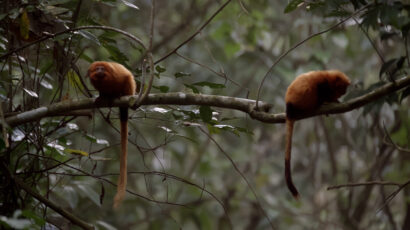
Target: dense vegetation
198 160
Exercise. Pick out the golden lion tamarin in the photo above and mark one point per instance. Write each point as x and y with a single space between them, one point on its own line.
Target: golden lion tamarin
305 94
113 80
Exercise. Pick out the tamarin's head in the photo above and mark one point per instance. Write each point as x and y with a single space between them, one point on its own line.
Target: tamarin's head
338 82
98 70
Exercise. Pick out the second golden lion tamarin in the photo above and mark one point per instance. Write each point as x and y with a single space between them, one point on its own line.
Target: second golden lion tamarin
306 94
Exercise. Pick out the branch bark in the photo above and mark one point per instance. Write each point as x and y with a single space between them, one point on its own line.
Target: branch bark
241 104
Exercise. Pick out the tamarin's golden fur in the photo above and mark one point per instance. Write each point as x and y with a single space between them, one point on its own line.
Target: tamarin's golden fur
113 80
305 94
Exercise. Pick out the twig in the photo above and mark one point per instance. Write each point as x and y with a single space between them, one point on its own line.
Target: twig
151 33
167 175
299 44
390 142
142 96
151 79
241 174
220 74
108 181
393 194
73 219
383 183
194 34
49 36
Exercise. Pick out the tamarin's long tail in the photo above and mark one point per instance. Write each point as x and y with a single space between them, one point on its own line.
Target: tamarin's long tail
122 180
288 175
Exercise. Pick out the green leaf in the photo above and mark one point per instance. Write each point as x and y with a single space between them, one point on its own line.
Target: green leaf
46 84
209 84
108 37
32 216
370 19
30 92
405 28
46 67
116 54
105 225
205 113
292 5
384 35
390 15
127 3
76 152
2 16
160 69
86 57
167 129
89 192
339 13
205 221
89 36
54 10
109 1
392 66
235 130
400 136
222 32
205 168
193 88
55 148
231 48
15 223
24 25
74 79
96 140
57 2
182 74
162 88
14 13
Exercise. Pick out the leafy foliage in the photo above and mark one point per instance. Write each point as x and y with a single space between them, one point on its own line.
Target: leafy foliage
184 161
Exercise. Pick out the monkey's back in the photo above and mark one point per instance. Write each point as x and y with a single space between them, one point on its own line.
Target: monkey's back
310 90
302 92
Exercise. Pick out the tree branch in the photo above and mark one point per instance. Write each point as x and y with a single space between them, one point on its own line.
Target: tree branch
241 104
383 183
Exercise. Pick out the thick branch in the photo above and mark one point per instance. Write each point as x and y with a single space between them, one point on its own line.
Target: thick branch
335 108
244 105
241 104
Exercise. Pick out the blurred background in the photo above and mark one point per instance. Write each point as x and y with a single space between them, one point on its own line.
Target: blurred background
200 167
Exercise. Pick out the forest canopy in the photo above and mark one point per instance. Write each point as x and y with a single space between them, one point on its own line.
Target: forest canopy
206 132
